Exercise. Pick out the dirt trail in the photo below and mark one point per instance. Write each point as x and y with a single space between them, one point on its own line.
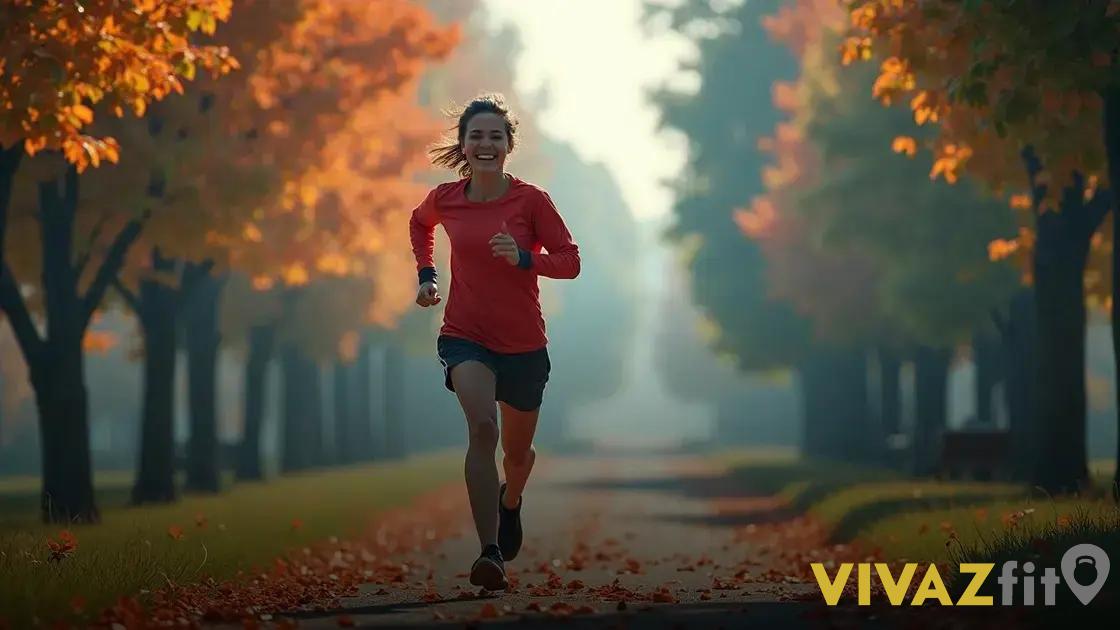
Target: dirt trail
609 541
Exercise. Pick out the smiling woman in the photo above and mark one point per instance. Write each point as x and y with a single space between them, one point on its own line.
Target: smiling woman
484 136
492 344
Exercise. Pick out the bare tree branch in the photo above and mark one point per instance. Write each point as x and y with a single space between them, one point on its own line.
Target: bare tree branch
13 304
111 266
127 295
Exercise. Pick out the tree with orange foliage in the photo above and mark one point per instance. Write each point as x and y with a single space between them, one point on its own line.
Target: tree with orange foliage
1021 83
281 177
60 63
861 242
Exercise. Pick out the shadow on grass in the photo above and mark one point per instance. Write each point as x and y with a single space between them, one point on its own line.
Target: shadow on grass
813 480
732 519
791 487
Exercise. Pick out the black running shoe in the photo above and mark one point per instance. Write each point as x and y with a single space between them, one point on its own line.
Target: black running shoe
509 527
489 570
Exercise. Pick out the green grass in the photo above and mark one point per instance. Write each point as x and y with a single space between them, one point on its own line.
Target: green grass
982 529
130 551
912 518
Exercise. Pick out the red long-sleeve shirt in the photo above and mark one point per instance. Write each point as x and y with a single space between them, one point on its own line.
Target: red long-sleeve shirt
492 302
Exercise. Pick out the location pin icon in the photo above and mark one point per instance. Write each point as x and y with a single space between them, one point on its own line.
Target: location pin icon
1080 556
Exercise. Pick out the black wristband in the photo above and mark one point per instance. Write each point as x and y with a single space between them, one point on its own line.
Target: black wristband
524 258
428 274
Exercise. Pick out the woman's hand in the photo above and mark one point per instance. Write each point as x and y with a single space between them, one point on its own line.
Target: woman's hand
503 246
428 295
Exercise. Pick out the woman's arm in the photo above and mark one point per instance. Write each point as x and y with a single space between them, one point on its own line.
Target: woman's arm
422 232
562 260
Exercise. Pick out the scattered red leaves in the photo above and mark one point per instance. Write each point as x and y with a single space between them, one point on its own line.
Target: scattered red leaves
62 547
309 578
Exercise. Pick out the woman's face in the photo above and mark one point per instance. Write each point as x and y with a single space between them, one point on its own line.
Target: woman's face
485 143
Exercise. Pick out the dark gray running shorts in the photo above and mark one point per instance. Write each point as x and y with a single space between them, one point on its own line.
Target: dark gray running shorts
521 376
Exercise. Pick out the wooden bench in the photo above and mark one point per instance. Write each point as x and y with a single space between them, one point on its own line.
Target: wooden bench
979 454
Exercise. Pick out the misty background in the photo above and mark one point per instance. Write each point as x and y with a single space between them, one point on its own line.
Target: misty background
632 364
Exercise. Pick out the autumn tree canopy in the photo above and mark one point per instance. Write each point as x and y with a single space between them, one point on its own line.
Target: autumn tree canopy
63 59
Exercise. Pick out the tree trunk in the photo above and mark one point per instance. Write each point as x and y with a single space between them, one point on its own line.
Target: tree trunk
293 454
931 383
261 339
860 440
836 415
55 360
302 411
1112 149
1019 339
394 397
813 442
10 157
361 434
1059 267
60 392
155 478
343 385
1060 254
202 340
986 360
58 376
890 394
315 417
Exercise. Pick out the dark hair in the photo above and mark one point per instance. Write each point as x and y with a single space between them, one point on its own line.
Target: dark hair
450 154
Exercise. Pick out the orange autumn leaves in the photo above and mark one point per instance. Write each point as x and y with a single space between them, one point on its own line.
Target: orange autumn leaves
63 59
991 81
62 546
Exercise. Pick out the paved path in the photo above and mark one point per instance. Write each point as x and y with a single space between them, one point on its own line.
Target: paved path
610 542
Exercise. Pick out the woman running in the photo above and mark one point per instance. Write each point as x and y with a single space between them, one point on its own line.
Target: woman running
492 344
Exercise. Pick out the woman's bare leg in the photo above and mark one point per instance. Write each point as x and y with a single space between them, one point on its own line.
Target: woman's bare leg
475 385
518 454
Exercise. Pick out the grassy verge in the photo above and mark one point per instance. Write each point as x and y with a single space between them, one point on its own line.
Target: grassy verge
138 549
914 519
